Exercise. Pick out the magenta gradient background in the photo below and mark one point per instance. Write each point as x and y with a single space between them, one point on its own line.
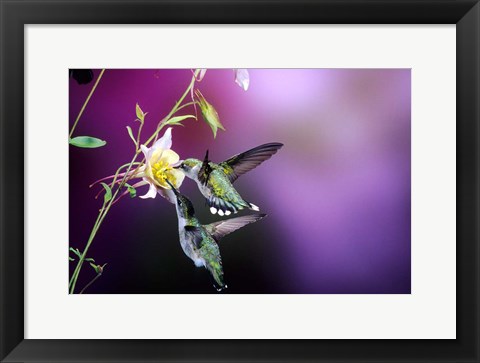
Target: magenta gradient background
337 194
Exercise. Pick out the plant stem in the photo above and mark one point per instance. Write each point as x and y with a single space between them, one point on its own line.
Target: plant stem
174 109
91 282
137 145
185 105
114 180
85 103
101 216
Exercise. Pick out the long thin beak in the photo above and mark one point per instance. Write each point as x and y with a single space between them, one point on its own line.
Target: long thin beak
178 166
173 188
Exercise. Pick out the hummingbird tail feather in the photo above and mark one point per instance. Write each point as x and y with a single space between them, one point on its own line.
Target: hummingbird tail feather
222 207
216 272
254 207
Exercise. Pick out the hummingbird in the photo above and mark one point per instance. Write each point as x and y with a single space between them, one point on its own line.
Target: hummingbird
215 180
199 242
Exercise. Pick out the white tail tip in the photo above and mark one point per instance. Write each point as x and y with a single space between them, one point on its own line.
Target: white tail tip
220 213
254 207
227 213
213 210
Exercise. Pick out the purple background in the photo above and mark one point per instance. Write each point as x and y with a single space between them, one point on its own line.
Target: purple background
337 194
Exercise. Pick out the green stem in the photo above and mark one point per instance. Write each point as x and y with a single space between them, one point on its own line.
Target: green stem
185 105
118 172
74 277
91 282
174 109
101 216
85 103
137 145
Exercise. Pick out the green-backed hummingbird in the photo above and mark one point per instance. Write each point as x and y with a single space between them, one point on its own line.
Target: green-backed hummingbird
215 180
199 242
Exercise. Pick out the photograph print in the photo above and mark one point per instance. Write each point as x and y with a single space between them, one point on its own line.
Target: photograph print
239 181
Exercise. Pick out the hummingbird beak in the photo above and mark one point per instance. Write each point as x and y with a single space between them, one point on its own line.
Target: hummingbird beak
173 188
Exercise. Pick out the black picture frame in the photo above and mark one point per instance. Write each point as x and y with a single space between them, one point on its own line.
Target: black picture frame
15 14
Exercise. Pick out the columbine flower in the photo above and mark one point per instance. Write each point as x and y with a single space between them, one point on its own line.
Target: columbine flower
209 113
159 167
242 78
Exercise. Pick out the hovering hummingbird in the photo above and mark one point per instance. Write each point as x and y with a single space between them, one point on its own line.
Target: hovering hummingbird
215 180
199 242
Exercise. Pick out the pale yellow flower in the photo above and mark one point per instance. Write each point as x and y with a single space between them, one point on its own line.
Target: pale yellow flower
160 160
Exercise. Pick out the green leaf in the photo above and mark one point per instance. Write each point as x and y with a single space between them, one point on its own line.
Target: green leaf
95 267
76 251
178 119
71 259
130 133
131 190
88 142
177 124
89 259
108 192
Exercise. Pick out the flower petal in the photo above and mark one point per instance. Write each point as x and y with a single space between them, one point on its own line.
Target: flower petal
242 78
155 156
202 74
179 176
170 157
165 142
168 194
152 192
146 151
140 172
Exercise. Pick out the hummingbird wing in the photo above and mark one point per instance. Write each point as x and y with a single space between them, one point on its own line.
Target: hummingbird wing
195 234
222 228
241 163
205 170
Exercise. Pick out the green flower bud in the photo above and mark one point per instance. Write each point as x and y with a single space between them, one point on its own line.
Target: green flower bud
209 113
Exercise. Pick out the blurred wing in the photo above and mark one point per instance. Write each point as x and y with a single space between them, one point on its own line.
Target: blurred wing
222 228
241 163
205 170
